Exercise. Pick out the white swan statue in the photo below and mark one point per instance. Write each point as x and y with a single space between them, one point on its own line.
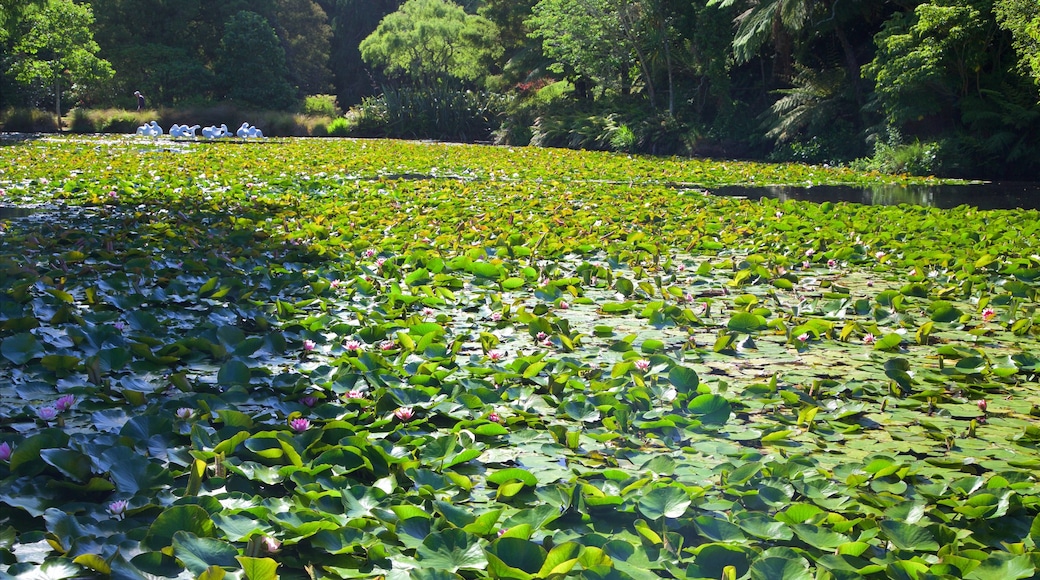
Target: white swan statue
254 132
156 129
243 131
177 130
144 130
189 131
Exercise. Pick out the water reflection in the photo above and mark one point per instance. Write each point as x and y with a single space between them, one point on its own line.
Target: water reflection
981 195
9 211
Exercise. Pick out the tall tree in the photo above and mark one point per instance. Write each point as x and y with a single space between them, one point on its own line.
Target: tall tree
610 42
352 21
251 63
55 48
304 30
1022 19
431 42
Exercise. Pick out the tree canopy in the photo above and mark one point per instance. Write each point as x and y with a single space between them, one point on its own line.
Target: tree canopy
432 42
55 46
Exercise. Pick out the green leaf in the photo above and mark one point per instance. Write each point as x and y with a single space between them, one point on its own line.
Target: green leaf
199 554
451 550
669 502
746 322
21 348
684 379
711 409
258 568
909 537
181 518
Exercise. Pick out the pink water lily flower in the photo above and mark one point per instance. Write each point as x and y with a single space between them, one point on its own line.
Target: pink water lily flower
355 394
308 345
642 365
5 451
988 314
387 345
404 413
494 417
47 413
352 345
118 508
300 424
271 544
495 356
496 316
869 338
804 337
309 400
64 403
185 413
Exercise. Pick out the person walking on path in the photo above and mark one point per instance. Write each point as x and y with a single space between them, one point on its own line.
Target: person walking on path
140 100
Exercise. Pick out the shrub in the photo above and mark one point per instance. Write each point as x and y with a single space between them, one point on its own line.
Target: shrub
28 121
119 121
446 114
338 127
82 122
320 106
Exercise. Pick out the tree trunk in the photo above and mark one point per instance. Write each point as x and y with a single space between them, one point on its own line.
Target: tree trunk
57 99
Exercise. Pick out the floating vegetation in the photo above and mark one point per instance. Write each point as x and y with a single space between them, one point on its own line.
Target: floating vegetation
280 361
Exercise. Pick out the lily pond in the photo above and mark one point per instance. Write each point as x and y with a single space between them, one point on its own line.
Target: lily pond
382 359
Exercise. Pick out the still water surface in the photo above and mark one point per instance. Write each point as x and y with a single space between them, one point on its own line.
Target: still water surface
989 195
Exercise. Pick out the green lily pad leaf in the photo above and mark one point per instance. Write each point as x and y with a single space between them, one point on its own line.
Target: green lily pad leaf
198 554
909 537
21 348
890 341
775 567
233 372
258 568
513 283
503 476
1004 566
486 270
818 537
763 527
60 365
746 322
452 550
669 502
581 411
515 554
651 346
711 409
187 518
684 379
72 464
719 530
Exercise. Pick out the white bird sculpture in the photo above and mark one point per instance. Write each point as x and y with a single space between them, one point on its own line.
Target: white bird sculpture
156 129
224 131
243 131
189 131
177 130
144 130
254 132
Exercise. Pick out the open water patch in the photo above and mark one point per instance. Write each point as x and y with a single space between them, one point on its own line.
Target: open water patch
983 195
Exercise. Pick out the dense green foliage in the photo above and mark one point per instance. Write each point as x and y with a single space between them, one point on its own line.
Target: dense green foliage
430 43
359 358
250 63
932 86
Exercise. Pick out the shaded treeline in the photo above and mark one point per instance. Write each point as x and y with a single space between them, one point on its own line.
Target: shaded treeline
941 86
